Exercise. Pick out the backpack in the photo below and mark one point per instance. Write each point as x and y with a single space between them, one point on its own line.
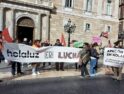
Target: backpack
85 57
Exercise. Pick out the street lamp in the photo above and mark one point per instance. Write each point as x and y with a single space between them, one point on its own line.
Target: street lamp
69 28
121 37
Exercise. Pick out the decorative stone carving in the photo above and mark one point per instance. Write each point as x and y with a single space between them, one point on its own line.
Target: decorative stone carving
25 21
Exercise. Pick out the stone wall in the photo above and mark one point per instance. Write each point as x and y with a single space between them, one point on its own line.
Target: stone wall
78 16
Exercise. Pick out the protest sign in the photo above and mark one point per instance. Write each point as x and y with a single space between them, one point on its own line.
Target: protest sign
114 57
96 39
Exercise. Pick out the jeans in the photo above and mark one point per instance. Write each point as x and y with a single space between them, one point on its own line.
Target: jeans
92 66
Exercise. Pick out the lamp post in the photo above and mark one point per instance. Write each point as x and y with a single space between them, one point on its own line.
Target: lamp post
69 28
121 37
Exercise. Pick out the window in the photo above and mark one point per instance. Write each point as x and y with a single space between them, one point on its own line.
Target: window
121 12
87 27
107 28
89 5
109 7
68 3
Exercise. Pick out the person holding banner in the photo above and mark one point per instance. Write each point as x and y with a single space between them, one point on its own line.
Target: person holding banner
35 66
61 65
16 66
84 59
118 70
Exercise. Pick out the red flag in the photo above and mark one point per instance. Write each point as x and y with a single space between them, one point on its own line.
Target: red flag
6 35
62 40
104 34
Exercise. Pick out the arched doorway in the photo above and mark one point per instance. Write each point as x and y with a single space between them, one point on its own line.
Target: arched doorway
25 28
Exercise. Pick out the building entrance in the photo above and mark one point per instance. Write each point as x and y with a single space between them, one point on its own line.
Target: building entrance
25 32
25 29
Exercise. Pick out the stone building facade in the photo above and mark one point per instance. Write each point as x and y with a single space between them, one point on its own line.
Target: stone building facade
45 19
121 19
91 17
26 18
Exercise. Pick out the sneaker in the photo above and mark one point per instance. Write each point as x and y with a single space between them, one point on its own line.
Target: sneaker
82 76
38 72
34 74
119 78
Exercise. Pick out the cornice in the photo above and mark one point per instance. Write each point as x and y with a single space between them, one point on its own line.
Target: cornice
27 4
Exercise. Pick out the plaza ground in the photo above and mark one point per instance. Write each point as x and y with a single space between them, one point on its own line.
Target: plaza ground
51 81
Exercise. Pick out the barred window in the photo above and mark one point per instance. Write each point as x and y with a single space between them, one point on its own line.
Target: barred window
108 28
87 27
68 3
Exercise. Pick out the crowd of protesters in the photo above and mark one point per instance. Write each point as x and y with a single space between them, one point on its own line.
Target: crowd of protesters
89 53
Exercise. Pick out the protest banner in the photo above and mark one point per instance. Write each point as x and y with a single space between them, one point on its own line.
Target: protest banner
28 54
114 57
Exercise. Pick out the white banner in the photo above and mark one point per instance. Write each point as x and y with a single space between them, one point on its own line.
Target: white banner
114 57
28 54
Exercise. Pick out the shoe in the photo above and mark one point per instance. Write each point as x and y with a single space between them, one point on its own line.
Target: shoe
82 76
13 75
114 78
62 69
34 74
87 76
119 79
38 72
20 73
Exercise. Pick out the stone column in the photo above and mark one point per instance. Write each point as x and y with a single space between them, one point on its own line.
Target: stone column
1 18
39 27
37 31
12 25
47 27
116 10
99 9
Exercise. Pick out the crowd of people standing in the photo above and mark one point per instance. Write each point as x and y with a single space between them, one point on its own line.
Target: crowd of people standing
89 54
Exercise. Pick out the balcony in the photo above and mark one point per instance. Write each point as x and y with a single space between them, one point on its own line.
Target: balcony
37 3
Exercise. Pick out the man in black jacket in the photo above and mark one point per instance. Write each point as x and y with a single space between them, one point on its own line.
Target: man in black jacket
57 64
